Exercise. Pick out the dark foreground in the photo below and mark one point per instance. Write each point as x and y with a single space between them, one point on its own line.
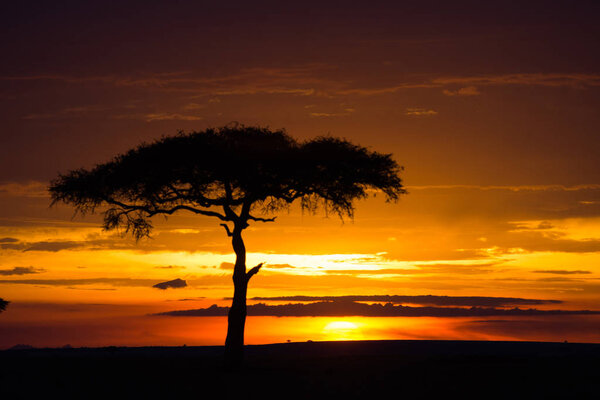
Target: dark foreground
336 370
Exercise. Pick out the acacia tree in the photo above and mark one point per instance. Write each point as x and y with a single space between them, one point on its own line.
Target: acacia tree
236 174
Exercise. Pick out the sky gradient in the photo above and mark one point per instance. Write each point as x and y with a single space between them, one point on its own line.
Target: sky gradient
491 107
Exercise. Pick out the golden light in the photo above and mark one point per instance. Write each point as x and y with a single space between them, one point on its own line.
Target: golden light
341 330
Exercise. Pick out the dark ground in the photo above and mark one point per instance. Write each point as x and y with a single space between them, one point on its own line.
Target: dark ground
336 370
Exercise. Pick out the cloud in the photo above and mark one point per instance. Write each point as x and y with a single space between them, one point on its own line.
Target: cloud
21 271
343 113
562 272
79 111
8 240
278 266
190 299
420 112
174 284
385 90
159 116
328 115
84 281
170 117
193 106
545 225
53 246
226 265
464 91
574 80
351 308
469 301
59 245
24 189
204 281
298 80
170 267
13 246
423 269
306 80
538 241
515 188
532 79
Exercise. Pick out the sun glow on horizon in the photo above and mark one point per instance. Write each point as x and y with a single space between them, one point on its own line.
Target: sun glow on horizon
342 330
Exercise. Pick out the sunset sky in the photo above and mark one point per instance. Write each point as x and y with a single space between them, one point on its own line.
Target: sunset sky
492 108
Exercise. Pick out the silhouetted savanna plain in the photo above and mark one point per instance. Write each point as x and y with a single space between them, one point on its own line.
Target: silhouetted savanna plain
328 370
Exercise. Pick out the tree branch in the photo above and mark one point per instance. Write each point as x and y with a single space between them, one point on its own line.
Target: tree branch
250 217
229 233
229 213
152 211
188 208
253 271
245 212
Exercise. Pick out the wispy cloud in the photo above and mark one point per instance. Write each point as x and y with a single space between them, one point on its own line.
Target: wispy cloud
364 91
170 117
68 112
170 267
562 272
116 282
513 188
50 246
24 189
465 91
420 112
84 281
536 79
54 246
463 301
21 271
329 115
193 106
295 80
310 80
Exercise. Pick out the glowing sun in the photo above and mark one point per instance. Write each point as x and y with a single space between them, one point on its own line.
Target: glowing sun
341 330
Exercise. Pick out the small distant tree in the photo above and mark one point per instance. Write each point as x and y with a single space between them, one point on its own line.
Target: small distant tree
235 174
3 304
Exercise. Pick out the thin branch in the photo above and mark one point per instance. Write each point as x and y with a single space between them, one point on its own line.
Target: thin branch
250 217
188 208
229 233
253 271
153 211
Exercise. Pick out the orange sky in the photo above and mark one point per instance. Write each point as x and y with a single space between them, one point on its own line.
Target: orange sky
492 109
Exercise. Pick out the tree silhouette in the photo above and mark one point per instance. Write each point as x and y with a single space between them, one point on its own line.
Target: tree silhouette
236 174
3 304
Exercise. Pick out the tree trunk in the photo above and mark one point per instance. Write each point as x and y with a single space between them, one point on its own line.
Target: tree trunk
234 344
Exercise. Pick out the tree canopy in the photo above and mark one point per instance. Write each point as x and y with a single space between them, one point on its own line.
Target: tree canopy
237 174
